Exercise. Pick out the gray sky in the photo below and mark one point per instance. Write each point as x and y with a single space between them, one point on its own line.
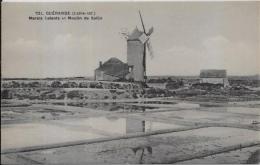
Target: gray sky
188 36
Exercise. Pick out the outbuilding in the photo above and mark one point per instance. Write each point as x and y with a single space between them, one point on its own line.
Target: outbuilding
214 76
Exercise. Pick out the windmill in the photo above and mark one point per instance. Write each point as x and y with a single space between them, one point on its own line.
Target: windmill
138 42
145 39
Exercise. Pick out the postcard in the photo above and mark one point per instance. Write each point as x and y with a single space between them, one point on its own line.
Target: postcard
130 82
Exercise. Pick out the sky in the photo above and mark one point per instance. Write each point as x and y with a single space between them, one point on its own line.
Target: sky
187 37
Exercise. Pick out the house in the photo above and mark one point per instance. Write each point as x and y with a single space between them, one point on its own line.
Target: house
111 70
214 76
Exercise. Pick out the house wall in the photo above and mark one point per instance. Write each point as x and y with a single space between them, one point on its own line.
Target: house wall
223 81
101 76
135 51
109 78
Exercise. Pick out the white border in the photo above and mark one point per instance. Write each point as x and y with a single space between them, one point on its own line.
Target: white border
126 0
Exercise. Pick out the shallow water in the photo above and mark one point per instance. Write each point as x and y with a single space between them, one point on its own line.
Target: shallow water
186 105
31 134
234 110
244 110
155 102
130 106
111 106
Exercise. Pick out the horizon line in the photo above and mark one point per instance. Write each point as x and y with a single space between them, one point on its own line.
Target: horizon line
249 75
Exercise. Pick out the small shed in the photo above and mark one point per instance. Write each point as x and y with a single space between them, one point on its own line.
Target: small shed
112 69
214 76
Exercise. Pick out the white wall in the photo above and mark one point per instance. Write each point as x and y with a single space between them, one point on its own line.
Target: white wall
215 81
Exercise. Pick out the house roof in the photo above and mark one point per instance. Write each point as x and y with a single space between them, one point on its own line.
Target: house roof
114 67
213 73
135 34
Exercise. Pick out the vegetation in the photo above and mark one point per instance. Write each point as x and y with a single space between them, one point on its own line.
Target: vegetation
177 87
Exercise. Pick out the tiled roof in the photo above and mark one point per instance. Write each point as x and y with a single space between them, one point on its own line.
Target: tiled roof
213 73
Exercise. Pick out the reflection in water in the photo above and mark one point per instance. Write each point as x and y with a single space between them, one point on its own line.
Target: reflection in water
235 110
131 106
156 102
142 150
211 105
126 107
133 125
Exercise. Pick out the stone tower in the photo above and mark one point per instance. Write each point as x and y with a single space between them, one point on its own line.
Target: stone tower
135 56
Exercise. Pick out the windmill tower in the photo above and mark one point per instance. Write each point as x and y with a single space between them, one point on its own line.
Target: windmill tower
138 42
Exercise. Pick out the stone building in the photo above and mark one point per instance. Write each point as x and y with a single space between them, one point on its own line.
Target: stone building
111 70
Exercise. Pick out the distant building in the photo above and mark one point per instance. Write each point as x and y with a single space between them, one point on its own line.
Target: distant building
214 76
111 70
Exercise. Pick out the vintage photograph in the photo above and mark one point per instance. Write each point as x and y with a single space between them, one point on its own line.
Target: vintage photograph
134 82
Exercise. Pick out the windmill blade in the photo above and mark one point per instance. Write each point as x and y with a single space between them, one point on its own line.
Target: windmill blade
150 48
150 31
142 21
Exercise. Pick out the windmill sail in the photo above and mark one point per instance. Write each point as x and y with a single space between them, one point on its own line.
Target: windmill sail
150 49
149 44
145 40
150 31
142 21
